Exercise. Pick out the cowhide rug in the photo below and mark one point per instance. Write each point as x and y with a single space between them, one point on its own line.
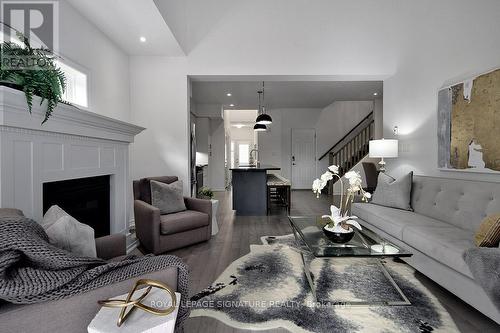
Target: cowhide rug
267 289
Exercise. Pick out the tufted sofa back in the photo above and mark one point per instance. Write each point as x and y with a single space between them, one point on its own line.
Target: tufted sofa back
463 203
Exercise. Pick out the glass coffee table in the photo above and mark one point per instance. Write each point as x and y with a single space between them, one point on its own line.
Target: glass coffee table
365 244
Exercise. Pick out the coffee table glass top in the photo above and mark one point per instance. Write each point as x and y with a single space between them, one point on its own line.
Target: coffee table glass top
365 243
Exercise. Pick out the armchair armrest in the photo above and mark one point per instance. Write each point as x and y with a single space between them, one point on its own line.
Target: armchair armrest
147 225
199 205
111 246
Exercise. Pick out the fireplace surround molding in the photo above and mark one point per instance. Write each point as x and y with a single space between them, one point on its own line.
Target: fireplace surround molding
72 144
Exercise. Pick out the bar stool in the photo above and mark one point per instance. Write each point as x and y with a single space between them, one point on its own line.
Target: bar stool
278 192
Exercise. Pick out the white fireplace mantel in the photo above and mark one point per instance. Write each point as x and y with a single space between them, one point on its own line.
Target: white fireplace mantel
73 143
66 119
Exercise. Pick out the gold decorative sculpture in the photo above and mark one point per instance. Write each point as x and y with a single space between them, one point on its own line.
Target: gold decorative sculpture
136 303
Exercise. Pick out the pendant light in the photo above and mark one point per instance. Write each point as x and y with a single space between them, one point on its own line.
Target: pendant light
263 118
259 127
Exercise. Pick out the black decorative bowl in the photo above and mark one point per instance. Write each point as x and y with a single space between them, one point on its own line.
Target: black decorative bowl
339 237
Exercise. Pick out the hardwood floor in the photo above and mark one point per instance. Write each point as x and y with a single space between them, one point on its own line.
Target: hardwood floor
208 260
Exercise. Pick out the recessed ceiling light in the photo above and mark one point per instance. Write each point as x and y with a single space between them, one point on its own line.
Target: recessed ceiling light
375 94
231 105
229 94
142 39
239 125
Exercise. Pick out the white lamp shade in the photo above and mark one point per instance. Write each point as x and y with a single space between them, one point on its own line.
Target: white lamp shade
383 148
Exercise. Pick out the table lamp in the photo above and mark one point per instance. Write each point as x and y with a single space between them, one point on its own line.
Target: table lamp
383 149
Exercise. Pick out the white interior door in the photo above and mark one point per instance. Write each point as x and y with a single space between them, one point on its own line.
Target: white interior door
303 157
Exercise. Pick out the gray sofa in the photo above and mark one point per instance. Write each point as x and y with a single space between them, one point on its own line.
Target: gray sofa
75 313
447 212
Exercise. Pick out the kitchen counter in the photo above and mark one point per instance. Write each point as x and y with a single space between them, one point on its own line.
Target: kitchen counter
250 189
258 167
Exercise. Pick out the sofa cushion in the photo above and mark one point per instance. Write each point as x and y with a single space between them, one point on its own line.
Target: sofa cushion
488 234
392 221
182 221
67 233
445 244
392 192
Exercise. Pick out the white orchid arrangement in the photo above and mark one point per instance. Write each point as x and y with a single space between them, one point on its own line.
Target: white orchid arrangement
340 221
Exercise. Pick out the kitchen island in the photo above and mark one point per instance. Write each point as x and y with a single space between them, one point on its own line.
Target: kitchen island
249 185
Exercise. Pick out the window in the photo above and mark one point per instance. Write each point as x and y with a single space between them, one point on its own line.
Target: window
76 85
243 152
76 80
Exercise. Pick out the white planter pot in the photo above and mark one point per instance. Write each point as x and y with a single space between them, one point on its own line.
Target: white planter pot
215 226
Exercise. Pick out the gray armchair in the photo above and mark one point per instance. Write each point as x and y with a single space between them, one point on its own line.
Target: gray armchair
160 233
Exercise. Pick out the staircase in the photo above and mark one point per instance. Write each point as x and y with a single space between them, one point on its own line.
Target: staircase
352 148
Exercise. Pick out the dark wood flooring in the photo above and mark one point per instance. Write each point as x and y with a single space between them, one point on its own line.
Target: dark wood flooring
208 260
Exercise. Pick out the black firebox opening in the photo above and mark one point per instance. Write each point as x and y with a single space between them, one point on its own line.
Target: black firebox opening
86 199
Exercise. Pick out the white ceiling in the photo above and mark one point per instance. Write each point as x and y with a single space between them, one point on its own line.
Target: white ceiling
125 21
284 94
191 21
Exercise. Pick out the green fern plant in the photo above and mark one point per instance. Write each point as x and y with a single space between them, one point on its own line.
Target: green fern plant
47 81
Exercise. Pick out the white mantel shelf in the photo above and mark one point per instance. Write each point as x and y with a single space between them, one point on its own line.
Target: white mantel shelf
65 119
73 143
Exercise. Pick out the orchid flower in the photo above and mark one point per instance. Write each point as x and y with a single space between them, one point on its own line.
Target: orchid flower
334 169
317 186
326 176
337 218
341 215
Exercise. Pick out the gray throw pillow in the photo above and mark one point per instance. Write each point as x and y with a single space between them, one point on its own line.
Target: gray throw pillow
394 193
168 198
67 233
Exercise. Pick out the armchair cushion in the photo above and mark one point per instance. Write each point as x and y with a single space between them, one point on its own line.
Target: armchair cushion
144 187
182 221
167 197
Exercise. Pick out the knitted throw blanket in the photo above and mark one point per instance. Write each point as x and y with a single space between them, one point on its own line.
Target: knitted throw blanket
32 270
484 263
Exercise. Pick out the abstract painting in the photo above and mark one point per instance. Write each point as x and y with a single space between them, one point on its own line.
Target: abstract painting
469 124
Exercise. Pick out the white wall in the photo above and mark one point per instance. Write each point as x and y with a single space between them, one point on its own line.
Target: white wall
335 121
159 96
330 123
449 44
242 134
202 134
85 45
415 46
275 145
216 159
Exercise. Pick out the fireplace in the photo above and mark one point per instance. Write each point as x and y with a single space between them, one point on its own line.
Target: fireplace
86 199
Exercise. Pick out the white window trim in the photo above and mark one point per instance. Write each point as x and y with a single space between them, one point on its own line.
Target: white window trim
85 71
